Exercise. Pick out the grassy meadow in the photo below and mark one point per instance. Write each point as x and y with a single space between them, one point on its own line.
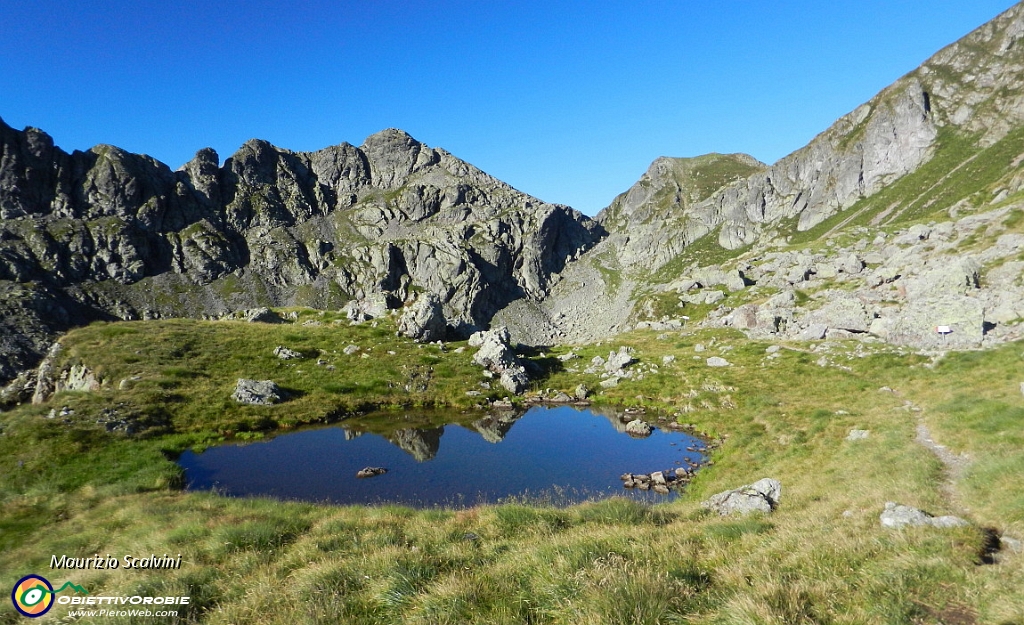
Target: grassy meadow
79 483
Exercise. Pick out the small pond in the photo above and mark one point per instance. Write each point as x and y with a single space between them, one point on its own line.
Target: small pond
556 454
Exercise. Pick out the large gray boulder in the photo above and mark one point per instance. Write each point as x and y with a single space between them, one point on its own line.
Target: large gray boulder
956 276
261 315
842 312
639 428
619 360
257 392
498 357
424 320
761 496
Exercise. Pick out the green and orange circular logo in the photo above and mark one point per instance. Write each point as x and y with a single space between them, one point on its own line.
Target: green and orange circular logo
32 596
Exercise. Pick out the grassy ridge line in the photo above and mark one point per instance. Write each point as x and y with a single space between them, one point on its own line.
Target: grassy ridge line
820 558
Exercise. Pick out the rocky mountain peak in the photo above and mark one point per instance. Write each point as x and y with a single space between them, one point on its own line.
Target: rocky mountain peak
110 234
394 155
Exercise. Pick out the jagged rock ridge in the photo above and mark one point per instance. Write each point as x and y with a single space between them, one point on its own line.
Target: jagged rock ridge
110 234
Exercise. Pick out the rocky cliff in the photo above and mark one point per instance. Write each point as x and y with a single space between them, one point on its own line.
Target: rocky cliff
966 98
942 142
109 234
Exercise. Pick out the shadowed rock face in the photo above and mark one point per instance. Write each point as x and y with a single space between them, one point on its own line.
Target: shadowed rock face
110 234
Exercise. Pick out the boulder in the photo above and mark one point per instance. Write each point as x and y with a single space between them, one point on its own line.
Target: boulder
813 332
954 276
77 378
718 361
639 428
499 358
257 392
424 320
617 361
261 315
761 496
370 472
896 515
843 312
286 354
370 307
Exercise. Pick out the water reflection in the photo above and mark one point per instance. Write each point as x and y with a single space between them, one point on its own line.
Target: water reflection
483 459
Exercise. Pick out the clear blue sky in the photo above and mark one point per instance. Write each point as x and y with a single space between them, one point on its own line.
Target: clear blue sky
567 101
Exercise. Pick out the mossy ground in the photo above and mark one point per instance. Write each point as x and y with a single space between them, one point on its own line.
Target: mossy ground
72 487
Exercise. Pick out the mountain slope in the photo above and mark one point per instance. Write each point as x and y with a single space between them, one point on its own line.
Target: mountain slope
109 234
965 99
943 141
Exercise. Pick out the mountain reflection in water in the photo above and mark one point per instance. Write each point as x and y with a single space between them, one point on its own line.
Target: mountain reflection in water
560 454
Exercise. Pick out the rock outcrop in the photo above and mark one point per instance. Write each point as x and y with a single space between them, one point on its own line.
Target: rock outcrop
761 496
941 141
971 88
424 320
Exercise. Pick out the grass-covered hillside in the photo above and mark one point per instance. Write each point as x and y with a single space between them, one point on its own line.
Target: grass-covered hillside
98 477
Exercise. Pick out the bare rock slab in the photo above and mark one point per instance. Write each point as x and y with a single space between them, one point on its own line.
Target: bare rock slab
761 496
896 515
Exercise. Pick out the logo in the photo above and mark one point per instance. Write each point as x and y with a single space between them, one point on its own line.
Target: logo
33 595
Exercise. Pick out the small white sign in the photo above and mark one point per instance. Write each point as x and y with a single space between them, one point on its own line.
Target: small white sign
944 329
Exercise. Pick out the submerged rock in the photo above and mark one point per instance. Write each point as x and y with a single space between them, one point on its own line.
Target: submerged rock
371 472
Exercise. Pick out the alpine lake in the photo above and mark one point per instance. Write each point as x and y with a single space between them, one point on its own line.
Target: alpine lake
554 454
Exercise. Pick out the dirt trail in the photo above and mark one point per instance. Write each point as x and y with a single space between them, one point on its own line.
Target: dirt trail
955 464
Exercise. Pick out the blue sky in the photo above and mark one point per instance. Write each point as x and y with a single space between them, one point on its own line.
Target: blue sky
567 101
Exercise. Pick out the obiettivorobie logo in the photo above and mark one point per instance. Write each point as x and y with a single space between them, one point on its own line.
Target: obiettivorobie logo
33 595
